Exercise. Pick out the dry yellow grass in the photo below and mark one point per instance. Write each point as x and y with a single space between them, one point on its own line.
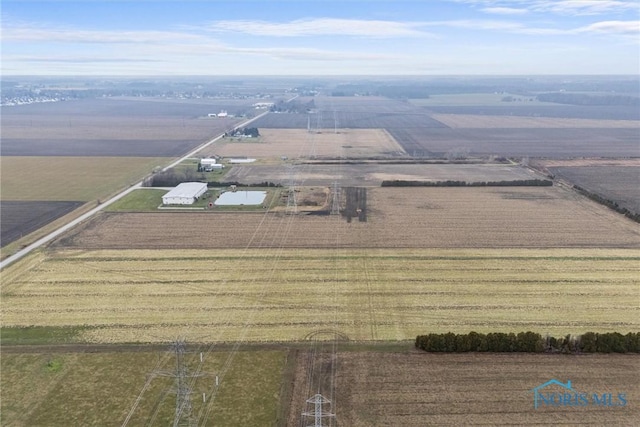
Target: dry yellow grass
461 121
282 295
71 178
298 143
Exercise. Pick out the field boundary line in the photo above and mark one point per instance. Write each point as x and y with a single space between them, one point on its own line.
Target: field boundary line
35 245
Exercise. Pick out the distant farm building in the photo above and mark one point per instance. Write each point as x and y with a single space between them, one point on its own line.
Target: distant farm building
206 162
185 194
214 167
222 113
209 165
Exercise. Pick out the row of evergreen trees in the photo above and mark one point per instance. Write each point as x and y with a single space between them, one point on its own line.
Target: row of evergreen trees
451 183
530 342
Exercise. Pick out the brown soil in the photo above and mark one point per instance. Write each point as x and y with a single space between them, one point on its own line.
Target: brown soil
418 389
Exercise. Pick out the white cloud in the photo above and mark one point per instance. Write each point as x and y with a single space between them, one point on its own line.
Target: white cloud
560 7
585 7
612 27
32 33
505 10
604 27
321 27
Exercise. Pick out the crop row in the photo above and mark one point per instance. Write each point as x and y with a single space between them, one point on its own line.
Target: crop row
287 294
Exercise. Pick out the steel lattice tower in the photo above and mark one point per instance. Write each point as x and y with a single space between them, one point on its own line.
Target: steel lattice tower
318 415
292 204
183 415
335 201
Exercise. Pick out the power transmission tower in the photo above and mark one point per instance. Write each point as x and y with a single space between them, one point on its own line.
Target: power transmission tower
183 415
318 415
335 201
292 204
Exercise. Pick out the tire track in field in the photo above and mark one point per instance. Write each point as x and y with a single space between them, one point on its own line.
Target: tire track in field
373 324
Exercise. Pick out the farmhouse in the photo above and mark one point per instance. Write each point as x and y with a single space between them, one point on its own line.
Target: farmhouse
185 194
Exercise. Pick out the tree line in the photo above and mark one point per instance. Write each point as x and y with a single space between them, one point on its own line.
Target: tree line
608 203
529 342
450 183
586 99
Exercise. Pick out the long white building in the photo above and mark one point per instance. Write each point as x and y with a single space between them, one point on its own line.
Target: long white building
185 194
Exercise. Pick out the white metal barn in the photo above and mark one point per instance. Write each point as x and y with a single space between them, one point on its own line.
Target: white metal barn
207 162
185 194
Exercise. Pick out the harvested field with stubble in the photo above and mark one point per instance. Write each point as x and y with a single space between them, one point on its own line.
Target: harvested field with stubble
109 127
456 121
298 143
32 178
519 142
366 174
417 217
617 180
285 295
419 389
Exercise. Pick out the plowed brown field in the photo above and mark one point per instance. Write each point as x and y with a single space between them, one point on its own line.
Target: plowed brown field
420 389
497 217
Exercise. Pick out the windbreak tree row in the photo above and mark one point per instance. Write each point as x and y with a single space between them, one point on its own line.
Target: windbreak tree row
530 342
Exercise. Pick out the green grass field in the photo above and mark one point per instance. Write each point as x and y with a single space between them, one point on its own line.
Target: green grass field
82 389
145 200
72 178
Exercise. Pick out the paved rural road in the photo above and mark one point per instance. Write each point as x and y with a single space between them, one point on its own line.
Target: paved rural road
21 253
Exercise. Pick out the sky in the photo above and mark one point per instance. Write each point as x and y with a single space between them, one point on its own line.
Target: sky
321 37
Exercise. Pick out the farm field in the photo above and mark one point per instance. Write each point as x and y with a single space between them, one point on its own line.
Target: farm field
613 112
20 218
107 127
466 121
478 99
119 296
520 142
414 389
616 180
419 217
299 143
372 175
75 388
38 190
43 178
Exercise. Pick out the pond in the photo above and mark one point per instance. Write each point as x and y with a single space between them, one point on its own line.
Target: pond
237 198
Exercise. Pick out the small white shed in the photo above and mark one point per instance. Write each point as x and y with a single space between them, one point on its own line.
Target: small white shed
185 194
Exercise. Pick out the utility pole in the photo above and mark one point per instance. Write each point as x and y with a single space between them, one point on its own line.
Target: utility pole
318 415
